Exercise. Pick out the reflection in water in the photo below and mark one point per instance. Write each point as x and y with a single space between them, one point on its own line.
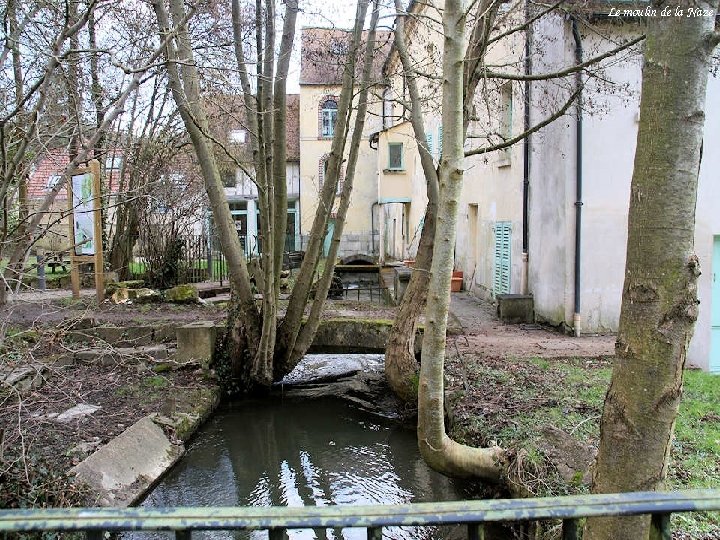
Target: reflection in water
303 453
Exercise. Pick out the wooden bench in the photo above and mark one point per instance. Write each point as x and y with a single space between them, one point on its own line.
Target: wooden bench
53 260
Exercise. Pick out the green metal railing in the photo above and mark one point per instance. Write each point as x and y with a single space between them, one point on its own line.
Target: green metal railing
276 520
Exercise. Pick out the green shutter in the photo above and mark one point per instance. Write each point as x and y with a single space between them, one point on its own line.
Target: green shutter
501 274
429 140
440 141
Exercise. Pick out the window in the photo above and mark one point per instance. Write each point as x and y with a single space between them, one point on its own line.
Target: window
113 163
395 156
53 180
339 48
328 117
238 136
228 179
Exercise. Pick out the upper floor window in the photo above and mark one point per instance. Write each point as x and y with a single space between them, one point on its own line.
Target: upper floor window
328 117
53 180
395 156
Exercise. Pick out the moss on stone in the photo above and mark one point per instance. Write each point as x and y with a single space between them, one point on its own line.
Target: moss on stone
182 294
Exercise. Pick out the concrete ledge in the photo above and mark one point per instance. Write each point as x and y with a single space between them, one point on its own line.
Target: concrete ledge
355 336
121 471
196 342
515 308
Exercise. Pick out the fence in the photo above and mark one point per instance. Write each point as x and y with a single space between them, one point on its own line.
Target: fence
277 520
199 258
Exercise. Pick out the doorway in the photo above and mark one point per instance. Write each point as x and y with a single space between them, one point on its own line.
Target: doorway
715 307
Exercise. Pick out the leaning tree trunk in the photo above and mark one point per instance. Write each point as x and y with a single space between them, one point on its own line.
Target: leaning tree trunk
438 450
401 367
659 304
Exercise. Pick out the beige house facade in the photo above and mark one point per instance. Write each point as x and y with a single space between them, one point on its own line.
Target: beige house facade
518 228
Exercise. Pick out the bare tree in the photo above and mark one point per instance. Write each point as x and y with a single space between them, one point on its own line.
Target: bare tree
486 26
48 43
262 347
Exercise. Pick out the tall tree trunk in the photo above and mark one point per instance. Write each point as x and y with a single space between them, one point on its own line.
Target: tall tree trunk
401 367
438 450
309 329
659 305
291 325
185 85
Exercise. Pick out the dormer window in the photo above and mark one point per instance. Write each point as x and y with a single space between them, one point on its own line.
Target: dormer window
328 117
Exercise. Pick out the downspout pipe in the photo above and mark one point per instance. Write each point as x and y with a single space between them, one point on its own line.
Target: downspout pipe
524 287
372 224
578 175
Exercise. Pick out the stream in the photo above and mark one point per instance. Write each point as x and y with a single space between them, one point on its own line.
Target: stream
286 452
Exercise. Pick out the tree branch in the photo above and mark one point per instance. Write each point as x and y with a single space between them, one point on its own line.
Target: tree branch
527 23
523 135
564 72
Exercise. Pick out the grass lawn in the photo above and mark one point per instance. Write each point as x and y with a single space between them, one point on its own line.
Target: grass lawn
515 402
30 273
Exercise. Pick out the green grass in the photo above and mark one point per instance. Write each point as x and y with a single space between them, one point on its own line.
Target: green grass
30 273
512 401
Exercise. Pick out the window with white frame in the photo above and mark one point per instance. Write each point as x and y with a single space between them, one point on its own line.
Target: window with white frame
113 163
328 117
395 156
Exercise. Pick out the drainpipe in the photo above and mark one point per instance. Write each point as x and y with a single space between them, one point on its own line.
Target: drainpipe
372 225
578 175
524 288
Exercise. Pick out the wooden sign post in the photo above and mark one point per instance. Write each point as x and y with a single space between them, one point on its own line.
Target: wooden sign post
84 204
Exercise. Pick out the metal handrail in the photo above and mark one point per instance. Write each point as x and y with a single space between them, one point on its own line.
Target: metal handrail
277 519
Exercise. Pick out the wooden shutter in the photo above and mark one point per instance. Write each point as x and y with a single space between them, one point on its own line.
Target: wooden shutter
501 274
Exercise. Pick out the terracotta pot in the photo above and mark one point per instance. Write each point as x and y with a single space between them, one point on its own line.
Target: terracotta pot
456 284
458 273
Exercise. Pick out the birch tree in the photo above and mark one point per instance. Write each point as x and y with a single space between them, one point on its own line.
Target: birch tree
659 305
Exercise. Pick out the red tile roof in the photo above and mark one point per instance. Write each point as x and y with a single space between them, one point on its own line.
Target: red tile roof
324 50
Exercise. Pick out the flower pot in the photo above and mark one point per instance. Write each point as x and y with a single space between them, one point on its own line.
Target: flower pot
409 262
456 284
458 274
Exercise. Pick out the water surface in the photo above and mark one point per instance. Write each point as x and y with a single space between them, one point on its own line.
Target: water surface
304 453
